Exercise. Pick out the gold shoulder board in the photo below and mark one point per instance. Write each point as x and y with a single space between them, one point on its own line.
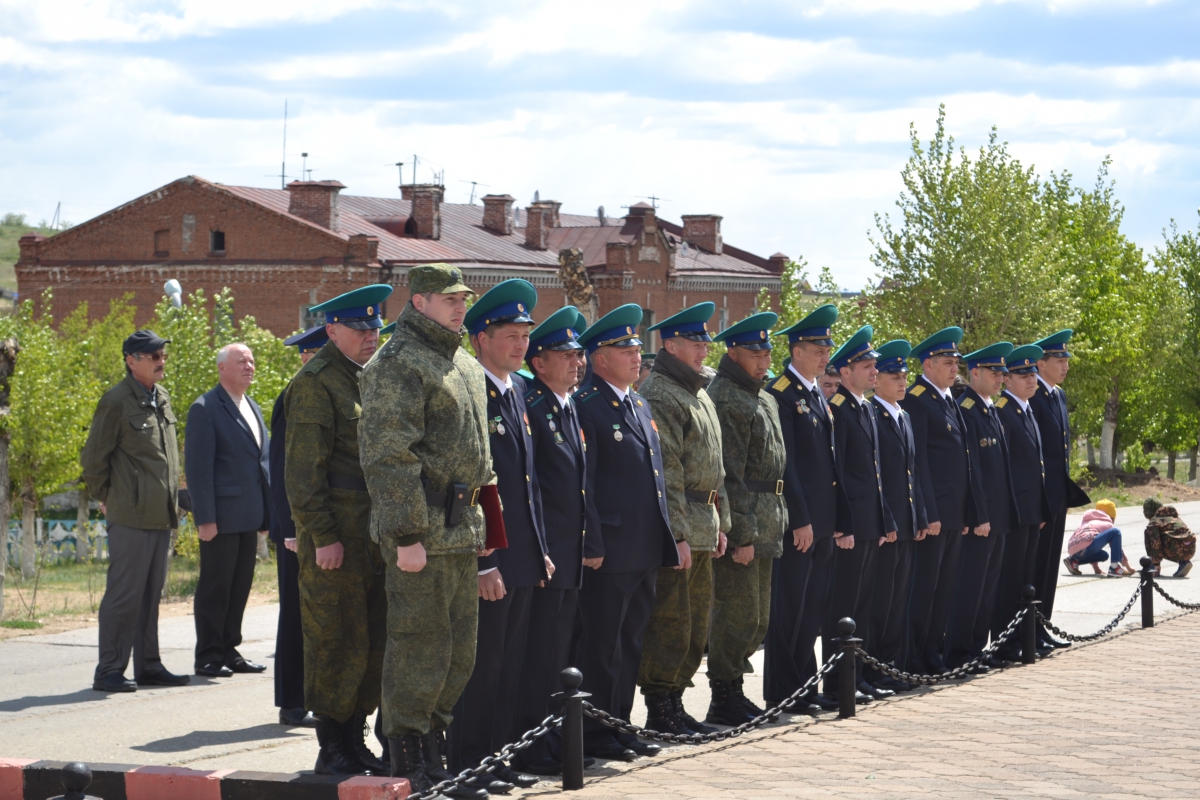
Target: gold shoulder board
1002 402
968 403
781 384
837 399
917 390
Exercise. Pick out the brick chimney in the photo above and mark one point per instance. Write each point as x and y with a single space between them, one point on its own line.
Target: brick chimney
426 208
362 249
316 201
539 219
778 263
29 245
703 231
497 213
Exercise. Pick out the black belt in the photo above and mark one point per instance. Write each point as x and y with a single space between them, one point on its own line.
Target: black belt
699 496
765 487
439 499
353 483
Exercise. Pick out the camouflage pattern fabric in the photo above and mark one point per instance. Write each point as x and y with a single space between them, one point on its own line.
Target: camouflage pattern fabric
752 450
425 404
740 615
341 610
678 629
1168 537
690 434
432 623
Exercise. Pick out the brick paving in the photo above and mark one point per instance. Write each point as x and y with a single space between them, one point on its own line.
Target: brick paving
1112 719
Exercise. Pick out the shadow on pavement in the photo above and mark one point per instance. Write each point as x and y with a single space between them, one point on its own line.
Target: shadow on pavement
197 739
23 703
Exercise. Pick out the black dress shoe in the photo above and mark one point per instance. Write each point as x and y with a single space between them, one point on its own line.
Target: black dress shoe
297 718
981 668
878 692
490 784
614 751
890 683
823 702
1042 652
242 665
543 766
635 744
1057 644
214 670
509 775
160 677
997 662
113 682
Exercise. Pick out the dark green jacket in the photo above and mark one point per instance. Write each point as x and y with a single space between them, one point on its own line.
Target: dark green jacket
425 405
690 434
753 450
322 408
131 459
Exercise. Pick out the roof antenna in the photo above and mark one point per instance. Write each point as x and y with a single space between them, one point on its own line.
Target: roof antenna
283 163
304 166
471 202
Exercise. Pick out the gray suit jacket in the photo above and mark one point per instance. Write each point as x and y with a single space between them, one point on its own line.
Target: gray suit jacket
228 472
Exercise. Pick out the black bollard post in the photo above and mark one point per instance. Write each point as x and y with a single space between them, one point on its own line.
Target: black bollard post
1147 592
76 777
1029 626
572 729
847 685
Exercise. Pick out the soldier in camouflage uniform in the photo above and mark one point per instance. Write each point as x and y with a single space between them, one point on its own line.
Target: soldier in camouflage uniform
340 580
754 458
428 467
691 452
1168 538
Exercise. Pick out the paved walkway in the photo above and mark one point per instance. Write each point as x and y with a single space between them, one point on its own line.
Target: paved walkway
48 710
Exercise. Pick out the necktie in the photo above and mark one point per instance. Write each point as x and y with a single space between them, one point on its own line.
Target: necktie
818 397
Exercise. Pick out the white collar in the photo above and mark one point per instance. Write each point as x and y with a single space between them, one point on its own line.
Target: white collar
502 385
860 398
563 399
894 409
810 385
621 393
987 401
1045 383
1024 404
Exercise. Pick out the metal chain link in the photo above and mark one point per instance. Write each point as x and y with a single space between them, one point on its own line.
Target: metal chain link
954 674
1091 637
531 736
1180 603
768 715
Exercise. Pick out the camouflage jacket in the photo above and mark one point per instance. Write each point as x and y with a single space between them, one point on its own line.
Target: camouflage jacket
322 408
1167 523
425 405
753 450
690 434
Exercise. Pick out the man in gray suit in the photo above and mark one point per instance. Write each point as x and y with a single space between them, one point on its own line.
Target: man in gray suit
226 461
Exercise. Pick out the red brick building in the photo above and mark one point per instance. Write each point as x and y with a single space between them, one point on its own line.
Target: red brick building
282 251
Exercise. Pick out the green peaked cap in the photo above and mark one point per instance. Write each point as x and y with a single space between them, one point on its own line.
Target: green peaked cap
817 327
991 357
559 331
357 309
892 356
943 343
856 348
618 328
1056 343
1024 359
752 333
509 301
691 323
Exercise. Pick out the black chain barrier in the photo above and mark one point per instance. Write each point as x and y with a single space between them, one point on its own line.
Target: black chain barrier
1180 603
1091 637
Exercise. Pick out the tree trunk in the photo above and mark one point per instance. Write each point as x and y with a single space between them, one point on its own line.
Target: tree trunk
1108 429
8 359
1192 465
1091 453
1171 465
28 530
83 541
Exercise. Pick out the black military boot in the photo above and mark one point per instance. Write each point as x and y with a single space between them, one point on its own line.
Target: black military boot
354 735
408 761
725 708
432 744
335 758
751 709
686 718
662 717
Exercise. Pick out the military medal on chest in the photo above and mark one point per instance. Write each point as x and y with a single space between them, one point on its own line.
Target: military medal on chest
617 433
496 426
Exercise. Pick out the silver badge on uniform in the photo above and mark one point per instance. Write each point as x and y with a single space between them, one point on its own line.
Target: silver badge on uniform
552 426
618 435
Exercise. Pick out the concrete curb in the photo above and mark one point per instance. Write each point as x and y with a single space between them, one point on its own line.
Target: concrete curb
26 779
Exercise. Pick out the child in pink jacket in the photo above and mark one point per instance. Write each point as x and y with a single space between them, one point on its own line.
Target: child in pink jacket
1087 543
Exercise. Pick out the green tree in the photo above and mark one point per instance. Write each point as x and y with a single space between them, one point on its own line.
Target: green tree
976 245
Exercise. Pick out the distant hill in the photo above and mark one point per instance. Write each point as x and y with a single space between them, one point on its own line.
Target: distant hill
12 228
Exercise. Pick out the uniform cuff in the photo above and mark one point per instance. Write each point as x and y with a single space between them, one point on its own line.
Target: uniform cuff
407 540
325 540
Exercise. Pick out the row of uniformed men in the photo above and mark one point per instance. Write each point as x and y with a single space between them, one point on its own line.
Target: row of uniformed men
422 451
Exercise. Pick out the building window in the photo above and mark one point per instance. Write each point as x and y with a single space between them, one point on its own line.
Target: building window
161 244
308 319
647 336
724 318
216 241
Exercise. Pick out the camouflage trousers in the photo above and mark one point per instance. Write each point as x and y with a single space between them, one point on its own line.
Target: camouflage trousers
1161 547
741 611
342 616
432 621
673 644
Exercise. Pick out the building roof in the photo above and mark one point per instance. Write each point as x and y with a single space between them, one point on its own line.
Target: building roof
464 239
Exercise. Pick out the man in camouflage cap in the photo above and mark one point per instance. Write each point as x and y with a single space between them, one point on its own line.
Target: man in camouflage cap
691 453
341 590
754 456
425 462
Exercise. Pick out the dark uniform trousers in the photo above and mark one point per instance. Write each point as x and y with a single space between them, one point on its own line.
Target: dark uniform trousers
852 593
683 603
743 593
553 627
800 582
944 468
628 527
226 576
486 712
1016 572
289 635
889 609
982 556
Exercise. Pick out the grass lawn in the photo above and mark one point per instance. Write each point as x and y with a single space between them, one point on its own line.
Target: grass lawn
10 251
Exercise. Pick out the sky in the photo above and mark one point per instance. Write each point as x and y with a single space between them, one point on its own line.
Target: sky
789 119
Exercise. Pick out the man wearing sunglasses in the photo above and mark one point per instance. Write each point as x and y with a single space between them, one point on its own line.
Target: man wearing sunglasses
131 465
